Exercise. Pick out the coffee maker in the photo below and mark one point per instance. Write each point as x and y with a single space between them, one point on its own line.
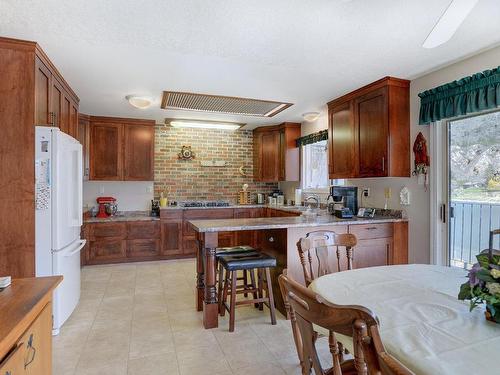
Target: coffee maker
345 200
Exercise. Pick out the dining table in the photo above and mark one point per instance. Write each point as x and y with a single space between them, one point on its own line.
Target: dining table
421 321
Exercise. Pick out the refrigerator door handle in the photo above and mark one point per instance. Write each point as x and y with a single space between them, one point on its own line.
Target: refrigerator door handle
81 244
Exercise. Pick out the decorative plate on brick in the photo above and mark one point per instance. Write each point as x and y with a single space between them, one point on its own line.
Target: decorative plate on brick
186 153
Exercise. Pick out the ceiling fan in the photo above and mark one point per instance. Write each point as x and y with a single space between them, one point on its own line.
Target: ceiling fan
449 22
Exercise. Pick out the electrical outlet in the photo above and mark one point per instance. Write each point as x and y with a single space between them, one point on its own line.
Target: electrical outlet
101 189
149 189
366 192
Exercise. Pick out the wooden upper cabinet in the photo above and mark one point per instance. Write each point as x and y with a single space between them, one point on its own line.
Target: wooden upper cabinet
55 102
369 131
139 152
42 93
276 157
121 149
341 141
269 156
371 113
106 151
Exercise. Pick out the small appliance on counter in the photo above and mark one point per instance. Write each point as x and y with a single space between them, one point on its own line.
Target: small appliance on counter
107 207
345 201
155 208
261 198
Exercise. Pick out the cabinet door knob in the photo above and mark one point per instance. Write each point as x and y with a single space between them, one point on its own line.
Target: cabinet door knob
271 239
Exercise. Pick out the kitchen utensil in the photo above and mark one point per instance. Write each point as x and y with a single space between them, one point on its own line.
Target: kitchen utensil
261 198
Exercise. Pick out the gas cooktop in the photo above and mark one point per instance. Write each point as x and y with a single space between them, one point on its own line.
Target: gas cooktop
204 204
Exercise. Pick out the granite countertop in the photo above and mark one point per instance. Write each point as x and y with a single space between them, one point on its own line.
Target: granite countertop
124 216
220 207
223 225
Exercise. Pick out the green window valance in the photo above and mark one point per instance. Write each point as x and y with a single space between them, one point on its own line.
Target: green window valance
312 138
467 95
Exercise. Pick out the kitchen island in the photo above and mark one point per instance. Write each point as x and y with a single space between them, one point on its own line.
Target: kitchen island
381 241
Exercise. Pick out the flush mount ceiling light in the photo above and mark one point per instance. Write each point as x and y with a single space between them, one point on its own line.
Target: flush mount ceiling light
203 124
310 116
221 104
449 22
140 102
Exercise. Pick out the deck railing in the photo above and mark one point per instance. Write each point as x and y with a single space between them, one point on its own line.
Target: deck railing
470 226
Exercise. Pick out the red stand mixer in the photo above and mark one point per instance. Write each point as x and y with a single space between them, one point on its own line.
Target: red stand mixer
104 202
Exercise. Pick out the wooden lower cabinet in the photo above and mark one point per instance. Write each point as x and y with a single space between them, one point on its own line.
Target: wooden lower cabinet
107 250
372 253
171 237
143 248
33 353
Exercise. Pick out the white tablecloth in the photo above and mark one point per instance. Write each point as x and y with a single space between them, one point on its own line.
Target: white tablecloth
422 323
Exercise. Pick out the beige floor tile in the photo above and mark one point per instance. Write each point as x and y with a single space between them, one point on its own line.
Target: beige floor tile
151 343
163 364
203 361
109 368
261 369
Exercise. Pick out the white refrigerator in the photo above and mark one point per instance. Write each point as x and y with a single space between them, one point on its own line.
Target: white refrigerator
58 216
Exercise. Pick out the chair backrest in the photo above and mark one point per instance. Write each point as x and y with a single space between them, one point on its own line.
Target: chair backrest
307 308
315 249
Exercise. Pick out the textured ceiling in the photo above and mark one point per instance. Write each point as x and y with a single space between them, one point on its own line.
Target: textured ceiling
304 52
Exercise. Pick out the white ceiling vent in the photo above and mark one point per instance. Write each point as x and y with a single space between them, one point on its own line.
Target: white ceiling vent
221 104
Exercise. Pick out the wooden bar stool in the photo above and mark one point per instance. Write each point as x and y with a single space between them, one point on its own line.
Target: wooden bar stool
233 250
247 262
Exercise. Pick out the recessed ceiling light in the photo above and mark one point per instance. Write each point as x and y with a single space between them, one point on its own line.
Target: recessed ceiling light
203 124
310 116
140 102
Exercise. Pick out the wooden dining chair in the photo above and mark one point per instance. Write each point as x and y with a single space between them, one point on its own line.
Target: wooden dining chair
315 250
307 308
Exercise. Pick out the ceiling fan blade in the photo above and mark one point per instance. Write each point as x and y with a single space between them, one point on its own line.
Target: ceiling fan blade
449 22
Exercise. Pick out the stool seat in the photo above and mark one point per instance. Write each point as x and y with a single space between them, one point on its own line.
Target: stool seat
222 251
247 261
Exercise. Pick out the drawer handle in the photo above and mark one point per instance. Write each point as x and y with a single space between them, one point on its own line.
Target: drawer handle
271 239
30 357
371 228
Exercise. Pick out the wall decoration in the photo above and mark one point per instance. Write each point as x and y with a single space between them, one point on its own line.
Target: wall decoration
421 160
186 153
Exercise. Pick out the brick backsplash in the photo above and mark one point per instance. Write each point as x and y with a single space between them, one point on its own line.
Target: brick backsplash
188 180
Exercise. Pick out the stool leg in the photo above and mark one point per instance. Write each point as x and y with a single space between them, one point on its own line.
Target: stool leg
245 282
219 287
254 286
224 293
232 303
261 293
269 292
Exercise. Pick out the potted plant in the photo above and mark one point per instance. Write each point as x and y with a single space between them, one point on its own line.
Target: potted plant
484 283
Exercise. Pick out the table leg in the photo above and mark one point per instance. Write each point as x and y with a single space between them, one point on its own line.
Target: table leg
210 305
200 284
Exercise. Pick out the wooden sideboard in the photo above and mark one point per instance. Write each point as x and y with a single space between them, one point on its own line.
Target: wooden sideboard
26 326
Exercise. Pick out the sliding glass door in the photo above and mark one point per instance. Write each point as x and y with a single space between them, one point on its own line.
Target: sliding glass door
473 158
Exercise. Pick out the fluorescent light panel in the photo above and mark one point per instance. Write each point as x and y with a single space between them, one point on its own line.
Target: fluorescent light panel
203 124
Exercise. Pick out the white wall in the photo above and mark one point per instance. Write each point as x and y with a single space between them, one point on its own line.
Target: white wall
418 212
130 195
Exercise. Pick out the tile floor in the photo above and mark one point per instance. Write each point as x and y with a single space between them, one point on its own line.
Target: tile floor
140 319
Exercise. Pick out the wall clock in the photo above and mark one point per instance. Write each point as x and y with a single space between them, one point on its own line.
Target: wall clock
186 153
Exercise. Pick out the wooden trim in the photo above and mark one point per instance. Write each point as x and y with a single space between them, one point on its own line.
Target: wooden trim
284 125
386 81
121 120
17 44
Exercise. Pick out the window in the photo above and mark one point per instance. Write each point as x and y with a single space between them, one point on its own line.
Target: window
315 166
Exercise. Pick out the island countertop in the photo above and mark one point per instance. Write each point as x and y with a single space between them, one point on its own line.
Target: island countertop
262 223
